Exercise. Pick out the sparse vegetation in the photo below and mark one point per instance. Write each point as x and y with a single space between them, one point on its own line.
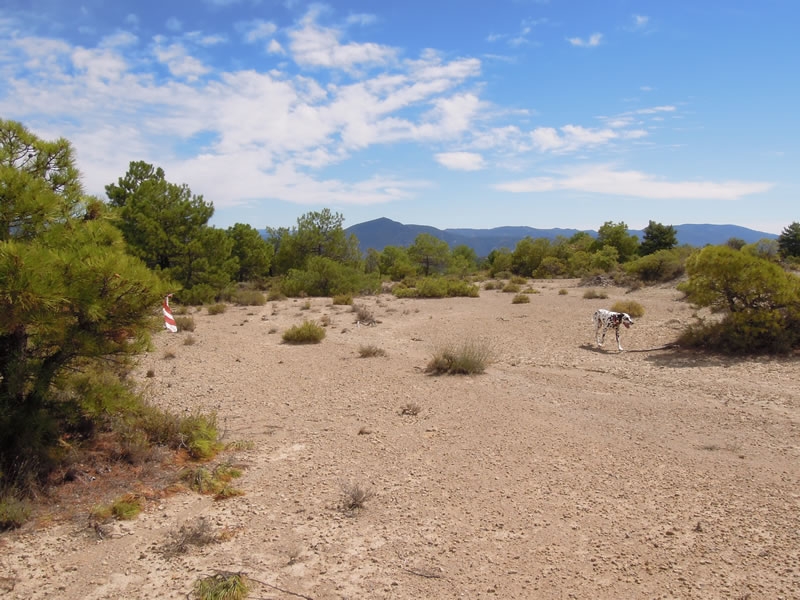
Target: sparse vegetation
189 340
217 309
363 314
214 481
14 511
631 307
370 351
195 533
307 333
123 509
563 292
222 586
467 358
342 299
245 297
592 294
185 323
520 299
511 288
354 496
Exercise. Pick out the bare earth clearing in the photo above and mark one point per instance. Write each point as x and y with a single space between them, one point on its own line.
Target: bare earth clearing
562 472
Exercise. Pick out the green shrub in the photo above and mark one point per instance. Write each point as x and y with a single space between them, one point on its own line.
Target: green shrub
214 482
198 295
503 275
245 297
519 280
511 288
469 357
760 302
631 307
520 299
437 287
222 586
307 333
14 511
128 507
200 435
275 294
217 309
342 299
323 276
562 292
660 266
531 290
492 285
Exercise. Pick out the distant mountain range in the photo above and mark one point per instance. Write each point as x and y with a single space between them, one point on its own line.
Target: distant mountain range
383 232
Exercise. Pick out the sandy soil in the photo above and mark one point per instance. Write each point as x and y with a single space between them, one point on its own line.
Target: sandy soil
564 471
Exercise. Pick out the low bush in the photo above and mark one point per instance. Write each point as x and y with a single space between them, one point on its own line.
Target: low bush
342 299
14 511
214 481
437 287
354 496
631 307
520 299
307 333
660 266
467 358
246 297
185 323
594 294
370 351
217 309
511 288
222 586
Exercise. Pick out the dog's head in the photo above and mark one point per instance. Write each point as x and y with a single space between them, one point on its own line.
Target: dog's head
626 320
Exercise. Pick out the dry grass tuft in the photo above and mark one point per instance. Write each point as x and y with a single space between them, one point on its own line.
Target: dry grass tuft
370 351
468 358
354 496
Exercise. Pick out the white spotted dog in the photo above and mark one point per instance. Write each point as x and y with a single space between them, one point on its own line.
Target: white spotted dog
604 320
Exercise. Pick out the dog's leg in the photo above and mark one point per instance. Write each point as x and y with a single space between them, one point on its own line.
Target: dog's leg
619 346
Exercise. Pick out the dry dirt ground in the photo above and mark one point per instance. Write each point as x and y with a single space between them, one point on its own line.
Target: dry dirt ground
564 471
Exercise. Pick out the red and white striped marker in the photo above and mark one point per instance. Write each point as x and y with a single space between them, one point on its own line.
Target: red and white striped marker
169 320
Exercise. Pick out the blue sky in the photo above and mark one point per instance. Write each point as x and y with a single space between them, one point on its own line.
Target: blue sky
450 113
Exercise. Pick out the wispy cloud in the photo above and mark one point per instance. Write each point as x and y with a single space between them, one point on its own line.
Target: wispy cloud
606 180
316 46
461 161
258 30
594 40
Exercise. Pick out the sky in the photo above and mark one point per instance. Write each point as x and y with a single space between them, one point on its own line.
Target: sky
449 113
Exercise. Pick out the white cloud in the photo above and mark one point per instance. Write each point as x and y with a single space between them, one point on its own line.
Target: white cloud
461 161
569 138
317 46
594 40
640 21
179 62
274 47
258 30
604 179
